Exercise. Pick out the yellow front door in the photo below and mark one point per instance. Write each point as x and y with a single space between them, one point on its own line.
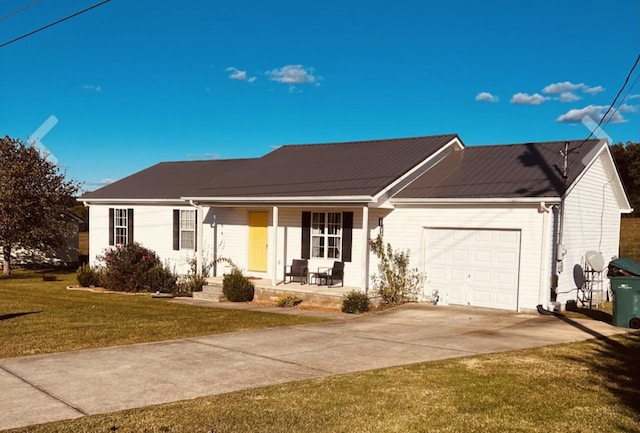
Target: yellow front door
258 241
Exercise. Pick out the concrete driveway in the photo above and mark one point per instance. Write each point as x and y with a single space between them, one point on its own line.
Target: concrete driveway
43 388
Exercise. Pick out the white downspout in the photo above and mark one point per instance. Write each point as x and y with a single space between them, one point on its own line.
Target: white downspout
199 236
544 296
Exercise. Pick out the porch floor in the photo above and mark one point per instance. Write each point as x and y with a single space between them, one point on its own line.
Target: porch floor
311 294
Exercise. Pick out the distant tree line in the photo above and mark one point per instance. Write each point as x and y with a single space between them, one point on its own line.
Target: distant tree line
627 158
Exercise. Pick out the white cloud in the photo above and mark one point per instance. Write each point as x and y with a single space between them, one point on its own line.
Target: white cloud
626 108
486 97
596 112
203 156
92 87
636 96
237 74
526 99
101 183
293 74
568 86
568 97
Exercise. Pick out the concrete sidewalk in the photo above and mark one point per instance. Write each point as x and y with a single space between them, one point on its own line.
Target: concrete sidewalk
43 388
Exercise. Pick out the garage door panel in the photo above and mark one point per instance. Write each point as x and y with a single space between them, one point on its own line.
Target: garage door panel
474 267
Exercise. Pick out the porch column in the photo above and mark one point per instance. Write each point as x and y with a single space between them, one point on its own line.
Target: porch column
274 247
364 248
200 236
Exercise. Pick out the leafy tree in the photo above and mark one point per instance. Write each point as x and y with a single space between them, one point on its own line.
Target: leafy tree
34 196
627 158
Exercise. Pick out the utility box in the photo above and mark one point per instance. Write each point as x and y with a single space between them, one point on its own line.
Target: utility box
624 274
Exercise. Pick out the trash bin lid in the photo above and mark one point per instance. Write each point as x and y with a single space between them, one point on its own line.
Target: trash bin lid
626 264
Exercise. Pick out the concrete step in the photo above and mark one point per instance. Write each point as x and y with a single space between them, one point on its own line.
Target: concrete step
210 292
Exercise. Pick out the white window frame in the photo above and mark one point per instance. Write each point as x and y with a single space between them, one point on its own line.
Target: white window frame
325 229
187 225
120 226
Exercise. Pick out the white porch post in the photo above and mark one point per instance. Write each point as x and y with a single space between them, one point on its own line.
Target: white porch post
364 245
199 225
274 248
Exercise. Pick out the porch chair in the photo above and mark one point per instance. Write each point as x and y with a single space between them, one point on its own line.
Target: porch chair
332 274
298 270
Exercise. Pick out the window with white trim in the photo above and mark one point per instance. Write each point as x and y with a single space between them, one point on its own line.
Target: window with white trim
188 229
120 226
326 234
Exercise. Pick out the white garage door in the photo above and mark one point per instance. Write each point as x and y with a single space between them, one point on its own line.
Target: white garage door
474 267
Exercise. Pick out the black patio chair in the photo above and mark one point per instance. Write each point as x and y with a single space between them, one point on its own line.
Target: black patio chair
298 270
333 274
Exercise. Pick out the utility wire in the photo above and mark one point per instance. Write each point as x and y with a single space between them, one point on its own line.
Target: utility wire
626 81
54 23
22 9
624 99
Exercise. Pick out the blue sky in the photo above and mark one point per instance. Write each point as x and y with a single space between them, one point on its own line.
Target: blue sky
133 83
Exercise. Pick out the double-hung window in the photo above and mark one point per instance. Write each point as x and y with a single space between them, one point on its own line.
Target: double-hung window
326 234
121 226
187 229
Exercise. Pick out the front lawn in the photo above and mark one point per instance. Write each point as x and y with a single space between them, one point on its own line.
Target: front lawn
630 238
39 316
592 386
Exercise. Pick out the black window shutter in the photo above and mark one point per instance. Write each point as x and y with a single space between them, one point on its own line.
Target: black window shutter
111 234
305 252
195 232
347 235
176 229
130 226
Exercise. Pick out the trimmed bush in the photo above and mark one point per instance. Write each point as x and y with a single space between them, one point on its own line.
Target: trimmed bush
127 268
289 301
355 302
159 279
87 276
237 288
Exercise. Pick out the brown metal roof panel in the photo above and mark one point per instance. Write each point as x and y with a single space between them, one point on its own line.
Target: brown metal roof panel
507 171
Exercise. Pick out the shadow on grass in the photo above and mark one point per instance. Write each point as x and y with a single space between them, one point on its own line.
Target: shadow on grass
617 362
14 315
601 316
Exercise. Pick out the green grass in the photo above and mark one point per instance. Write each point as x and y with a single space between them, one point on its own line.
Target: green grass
630 238
43 317
591 386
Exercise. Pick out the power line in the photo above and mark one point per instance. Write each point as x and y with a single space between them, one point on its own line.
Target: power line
22 9
54 23
623 100
626 81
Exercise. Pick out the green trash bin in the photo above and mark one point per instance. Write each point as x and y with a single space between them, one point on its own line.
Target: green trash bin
626 302
624 274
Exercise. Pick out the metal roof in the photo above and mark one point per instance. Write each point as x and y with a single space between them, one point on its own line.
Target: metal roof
361 168
503 171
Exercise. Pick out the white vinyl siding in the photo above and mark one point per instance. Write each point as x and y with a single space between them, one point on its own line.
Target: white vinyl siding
591 222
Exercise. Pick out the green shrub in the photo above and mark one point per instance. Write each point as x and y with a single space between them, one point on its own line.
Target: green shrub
237 288
126 268
49 277
159 279
188 284
355 302
395 282
289 301
88 276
